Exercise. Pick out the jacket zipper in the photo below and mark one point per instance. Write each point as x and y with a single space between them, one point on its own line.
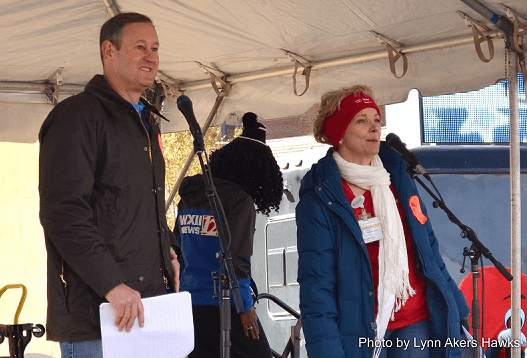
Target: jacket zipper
62 277
147 136
356 220
64 284
421 261
165 279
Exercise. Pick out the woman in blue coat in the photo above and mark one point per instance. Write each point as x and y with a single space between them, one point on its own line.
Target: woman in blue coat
371 278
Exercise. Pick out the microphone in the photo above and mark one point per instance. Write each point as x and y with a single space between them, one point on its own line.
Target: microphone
396 144
184 104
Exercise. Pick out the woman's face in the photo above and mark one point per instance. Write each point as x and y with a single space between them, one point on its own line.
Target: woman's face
362 138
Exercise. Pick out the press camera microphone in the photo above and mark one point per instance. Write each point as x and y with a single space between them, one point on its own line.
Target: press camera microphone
184 104
396 144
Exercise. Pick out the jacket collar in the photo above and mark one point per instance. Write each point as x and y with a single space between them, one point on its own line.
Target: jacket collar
325 171
117 105
193 191
153 109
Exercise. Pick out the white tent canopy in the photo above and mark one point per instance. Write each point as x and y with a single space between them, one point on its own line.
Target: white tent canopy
245 40
50 50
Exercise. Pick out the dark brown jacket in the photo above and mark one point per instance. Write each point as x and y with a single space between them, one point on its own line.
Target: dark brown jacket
102 203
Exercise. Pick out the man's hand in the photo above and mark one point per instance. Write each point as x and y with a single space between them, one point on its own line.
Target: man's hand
250 324
175 263
128 306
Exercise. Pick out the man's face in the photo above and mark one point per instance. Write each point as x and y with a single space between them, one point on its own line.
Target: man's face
135 63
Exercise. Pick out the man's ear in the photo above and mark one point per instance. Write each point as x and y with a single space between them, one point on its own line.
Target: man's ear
108 50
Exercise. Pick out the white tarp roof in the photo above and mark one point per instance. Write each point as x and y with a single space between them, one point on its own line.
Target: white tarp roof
242 38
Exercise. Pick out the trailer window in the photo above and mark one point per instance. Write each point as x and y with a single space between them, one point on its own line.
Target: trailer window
281 264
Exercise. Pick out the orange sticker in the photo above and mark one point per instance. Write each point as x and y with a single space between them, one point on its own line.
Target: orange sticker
416 210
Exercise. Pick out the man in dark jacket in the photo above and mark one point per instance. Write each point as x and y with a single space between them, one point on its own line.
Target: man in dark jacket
102 194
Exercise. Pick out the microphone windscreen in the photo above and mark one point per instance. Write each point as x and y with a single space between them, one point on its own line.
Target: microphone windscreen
391 137
183 100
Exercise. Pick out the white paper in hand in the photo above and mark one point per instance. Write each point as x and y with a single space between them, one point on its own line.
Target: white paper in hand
168 330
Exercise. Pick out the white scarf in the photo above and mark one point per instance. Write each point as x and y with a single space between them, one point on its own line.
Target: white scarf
394 285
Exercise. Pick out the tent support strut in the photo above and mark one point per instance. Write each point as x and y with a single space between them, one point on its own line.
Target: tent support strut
512 67
191 155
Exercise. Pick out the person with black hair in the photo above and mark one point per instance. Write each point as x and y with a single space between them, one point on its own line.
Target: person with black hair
245 174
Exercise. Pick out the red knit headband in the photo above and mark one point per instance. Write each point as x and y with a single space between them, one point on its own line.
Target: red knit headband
336 123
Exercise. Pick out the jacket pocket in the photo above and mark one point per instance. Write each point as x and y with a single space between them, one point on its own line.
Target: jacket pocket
106 220
64 284
147 278
351 316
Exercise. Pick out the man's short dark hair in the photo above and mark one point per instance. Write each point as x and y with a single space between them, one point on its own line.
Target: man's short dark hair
112 30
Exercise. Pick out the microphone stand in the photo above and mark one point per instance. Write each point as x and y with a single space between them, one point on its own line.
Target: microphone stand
476 250
228 281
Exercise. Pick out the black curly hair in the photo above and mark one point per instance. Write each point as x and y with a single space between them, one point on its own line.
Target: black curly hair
250 164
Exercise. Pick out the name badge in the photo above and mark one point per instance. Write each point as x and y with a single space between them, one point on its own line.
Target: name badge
371 229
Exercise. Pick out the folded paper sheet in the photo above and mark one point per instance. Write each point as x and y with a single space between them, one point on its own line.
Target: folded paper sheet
168 330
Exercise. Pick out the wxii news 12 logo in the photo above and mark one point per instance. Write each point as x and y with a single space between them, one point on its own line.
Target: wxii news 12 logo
198 224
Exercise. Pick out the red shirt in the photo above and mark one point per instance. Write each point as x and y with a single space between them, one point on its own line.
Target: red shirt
416 308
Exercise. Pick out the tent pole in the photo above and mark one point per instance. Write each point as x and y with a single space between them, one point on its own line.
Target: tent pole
111 7
191 155
340 61
30 87
515 187
501 22
512 69
276 72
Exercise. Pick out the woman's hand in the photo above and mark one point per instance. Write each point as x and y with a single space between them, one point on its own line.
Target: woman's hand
250 324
